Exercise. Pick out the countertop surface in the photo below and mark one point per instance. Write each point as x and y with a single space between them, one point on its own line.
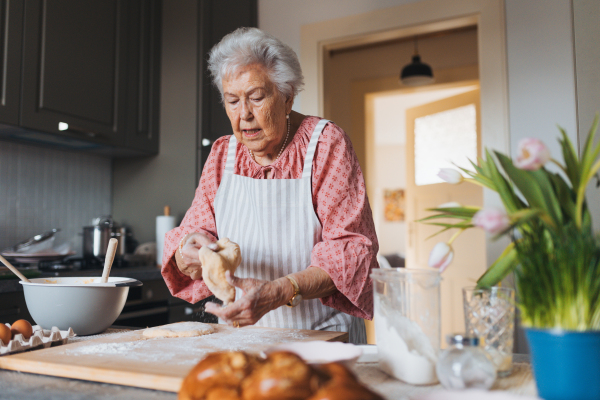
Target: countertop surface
17 385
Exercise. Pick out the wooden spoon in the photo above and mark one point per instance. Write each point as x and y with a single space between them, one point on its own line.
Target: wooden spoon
13 269
110 256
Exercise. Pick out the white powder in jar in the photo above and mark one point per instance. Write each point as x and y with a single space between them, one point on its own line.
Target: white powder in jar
404 350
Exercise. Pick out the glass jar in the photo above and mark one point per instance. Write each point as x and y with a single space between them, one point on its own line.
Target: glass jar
490 315
465 365
407 323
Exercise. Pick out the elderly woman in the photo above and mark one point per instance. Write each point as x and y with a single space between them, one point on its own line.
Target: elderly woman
289 190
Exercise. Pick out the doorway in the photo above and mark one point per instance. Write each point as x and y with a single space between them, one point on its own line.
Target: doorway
394 164
358 85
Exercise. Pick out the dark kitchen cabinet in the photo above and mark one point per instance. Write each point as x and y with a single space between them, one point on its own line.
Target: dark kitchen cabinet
144 76
90 74
75 68
217 19
11 30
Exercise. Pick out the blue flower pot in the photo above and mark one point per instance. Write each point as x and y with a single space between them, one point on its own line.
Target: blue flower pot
566 365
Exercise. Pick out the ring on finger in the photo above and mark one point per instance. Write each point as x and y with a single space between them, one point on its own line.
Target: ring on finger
236 324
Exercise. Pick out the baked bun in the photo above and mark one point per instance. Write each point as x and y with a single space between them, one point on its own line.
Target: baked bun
342 385
282 376
222 372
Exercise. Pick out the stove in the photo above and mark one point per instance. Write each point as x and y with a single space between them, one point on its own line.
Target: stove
83 263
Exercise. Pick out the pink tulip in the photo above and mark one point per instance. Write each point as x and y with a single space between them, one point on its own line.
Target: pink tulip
450 175
441 256
532 154
492 220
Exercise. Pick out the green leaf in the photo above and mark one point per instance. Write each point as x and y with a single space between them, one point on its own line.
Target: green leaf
460 225
590 152
504 188
535 187
463 211
571 160
565 196
500 268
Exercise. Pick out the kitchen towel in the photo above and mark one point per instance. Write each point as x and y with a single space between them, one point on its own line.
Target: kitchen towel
164 223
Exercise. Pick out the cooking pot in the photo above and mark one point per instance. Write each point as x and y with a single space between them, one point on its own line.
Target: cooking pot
96 237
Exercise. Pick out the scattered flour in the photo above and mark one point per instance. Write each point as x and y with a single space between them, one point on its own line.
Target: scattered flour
186 350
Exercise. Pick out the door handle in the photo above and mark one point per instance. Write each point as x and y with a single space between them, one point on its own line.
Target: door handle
63 126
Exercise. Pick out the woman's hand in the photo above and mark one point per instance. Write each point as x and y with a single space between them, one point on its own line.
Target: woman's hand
187 260
259 298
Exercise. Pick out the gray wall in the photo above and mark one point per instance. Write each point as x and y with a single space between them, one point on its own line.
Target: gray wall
586 28
43 188
142 187
541 71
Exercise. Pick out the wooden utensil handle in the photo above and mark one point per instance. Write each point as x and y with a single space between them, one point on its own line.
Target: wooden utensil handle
110 256
13 269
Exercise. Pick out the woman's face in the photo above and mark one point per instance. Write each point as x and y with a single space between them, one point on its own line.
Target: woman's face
256 110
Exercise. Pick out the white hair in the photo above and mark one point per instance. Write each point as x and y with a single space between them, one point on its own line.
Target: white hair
246 46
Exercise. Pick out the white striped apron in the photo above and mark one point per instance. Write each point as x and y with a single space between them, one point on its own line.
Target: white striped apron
276 227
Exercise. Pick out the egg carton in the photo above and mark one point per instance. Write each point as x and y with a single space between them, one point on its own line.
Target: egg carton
40 339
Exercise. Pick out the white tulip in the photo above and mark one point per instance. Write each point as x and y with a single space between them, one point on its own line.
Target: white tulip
441 256
451 175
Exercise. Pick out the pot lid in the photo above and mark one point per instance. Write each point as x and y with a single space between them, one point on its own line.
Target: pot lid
33 240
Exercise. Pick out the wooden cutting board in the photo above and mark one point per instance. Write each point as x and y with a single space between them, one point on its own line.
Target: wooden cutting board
127 358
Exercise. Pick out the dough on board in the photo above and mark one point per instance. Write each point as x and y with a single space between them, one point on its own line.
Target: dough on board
180 329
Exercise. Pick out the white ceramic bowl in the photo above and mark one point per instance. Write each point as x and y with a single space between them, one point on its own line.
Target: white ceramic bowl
320 352
81 303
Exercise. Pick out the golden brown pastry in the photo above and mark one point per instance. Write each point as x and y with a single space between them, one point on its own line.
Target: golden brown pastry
342 385
223 370
223 394
214 264
282 376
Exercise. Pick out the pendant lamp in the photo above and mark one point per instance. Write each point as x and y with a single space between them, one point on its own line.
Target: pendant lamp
416 73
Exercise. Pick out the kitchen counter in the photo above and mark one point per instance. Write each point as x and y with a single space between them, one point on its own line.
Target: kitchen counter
38 387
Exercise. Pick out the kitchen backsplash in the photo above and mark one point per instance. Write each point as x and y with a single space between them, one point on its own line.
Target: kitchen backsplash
43 188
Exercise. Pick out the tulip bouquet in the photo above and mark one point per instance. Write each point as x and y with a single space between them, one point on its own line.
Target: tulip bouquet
553 249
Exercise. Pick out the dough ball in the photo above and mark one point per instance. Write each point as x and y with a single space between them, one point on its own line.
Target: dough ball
180 329
283 376
227 257
217 374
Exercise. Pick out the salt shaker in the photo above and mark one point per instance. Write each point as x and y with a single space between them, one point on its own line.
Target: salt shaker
465 365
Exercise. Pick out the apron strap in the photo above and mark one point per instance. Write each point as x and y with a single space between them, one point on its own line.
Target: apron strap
310 151
231 155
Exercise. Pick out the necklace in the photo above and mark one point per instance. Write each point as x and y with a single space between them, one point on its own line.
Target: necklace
284 142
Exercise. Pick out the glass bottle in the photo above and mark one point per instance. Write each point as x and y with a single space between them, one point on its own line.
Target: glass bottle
465 365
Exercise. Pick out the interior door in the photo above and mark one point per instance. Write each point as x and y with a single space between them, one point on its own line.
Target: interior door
438 135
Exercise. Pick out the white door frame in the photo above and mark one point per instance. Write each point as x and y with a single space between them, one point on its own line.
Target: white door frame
419 18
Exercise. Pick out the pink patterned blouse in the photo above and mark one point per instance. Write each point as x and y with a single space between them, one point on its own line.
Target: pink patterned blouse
349 247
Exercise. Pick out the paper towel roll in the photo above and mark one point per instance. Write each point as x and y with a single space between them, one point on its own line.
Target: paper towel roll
164 223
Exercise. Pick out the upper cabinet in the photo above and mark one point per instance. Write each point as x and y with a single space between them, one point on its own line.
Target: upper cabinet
90 74
11 34
217 19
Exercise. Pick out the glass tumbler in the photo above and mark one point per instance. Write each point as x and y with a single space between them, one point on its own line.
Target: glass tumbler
490 315
407 323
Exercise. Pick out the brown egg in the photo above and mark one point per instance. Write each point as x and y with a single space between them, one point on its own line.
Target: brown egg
23 327
5 334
